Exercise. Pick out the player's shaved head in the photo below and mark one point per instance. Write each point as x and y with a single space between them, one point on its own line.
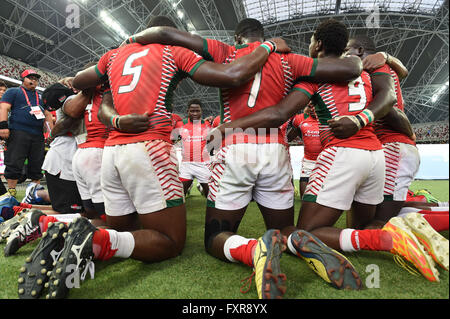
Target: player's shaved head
161 21
363 41
249 28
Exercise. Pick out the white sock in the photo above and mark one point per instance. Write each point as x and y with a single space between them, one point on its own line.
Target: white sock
345 240
122 241
232 242
439 209
443 204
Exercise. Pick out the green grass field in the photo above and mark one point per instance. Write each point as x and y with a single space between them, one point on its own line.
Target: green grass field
197 275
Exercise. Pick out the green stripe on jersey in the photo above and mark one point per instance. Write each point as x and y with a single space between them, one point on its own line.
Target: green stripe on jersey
322 111
309 198
174 202
205 53
303 91
192 72
100 74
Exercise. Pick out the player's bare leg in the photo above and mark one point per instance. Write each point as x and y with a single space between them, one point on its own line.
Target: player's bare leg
186 185
262 254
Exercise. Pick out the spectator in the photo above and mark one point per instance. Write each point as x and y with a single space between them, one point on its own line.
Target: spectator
3 88
23 130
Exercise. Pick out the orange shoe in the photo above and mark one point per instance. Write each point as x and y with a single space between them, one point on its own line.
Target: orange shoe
406 245
435 244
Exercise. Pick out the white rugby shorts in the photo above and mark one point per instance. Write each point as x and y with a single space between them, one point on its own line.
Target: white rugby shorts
402 164
343 175
86 167
242 172
140 177
198 170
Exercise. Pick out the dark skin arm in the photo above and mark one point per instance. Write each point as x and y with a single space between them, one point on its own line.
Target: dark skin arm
384 99
377 60
75 107
328 70
272 116
63 126
130 123
397 120
212 74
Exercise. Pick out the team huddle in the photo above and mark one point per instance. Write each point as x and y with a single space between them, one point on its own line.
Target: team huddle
345 102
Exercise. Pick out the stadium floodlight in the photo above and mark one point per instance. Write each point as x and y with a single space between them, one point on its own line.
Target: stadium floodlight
439 92
113 24
180 14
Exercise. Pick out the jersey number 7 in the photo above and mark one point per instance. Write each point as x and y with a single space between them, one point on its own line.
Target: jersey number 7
135 71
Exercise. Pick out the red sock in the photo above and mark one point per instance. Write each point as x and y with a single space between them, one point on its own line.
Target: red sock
44 220
438 222
102 245
371 239
17 209
25 205
244 253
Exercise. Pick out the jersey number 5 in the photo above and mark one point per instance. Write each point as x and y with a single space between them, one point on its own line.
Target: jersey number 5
356 88
135 71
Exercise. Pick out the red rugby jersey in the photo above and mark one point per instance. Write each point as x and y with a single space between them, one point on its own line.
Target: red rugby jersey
309 127
267 88
175 119
97 132
384 132
193 137
332 100
216 121
142 79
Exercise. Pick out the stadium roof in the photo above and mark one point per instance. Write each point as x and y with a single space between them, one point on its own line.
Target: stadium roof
47 35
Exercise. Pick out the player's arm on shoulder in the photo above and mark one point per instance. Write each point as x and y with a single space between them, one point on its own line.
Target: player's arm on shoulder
88 78
273 116
377 60
237 72
333 70
76 106
169 36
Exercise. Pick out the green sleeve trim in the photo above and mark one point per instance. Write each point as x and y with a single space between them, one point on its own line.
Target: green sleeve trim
210 203
303 91
378 73
205 53
100 74
191 73
314 67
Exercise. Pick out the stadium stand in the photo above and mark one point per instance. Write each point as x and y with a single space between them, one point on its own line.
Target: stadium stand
12 68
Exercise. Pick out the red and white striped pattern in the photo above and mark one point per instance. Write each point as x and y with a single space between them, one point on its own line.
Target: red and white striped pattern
217 169
319 173
164 164
392 158
288 78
